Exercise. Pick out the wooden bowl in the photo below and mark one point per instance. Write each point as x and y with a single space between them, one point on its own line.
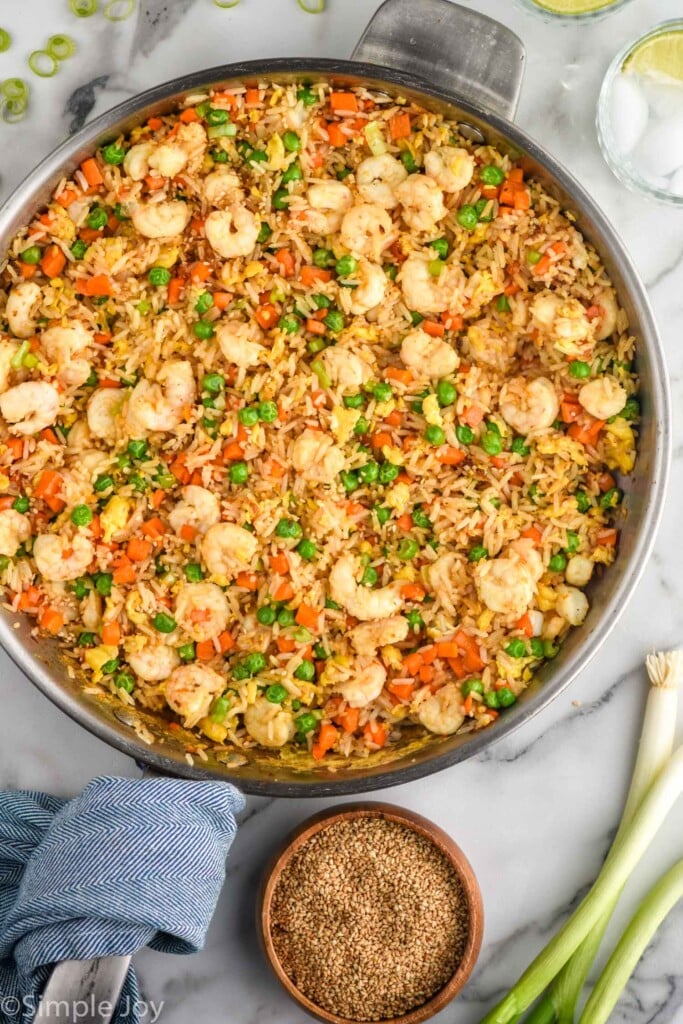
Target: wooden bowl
300 836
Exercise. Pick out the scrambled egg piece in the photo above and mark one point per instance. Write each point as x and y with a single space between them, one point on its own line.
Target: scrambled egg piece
432 411
619 446
96 657
398 497
565 447
114 517
342 423
277 157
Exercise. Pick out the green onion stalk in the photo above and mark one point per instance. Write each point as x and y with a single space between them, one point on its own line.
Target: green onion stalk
657 782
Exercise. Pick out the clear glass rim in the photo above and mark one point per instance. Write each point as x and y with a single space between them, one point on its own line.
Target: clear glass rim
569 19
614 160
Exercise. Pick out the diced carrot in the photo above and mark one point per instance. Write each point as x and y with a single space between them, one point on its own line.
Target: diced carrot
327 738
532 533
399 126
450 456
180 470
227 98
285 592
403 690
15 446
49 484
157 497
111 633
457 668
516 174
314 275
594 312
189 115
336 136
98 286
559 248
318 398
511 289
279 563
606 481
53 261
102 337
29 599
154 528
205 650
247 580
348 719
285 644
434 329
199 272
543 266
375 733
138 550
413 592
67 196
468 704
570 409
6 501
344 101
405 522
586 433
154 182
28 270
315 327
252 96
490 191
447 649
426 673
222 300
507 194
286 261
233 451
402 376
48 434
155 123
51 620
91 172
226 641
470 649
197 225
412 663
266 316
498 461
608 538
273 469
380 439
472 416
522 199
109 382
307 616
525 625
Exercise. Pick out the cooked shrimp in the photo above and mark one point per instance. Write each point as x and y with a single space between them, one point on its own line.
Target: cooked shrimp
22 307
507 584
58 557
371 287
269 724
345 368
199 509
103 411
377 179
571 604
365 685
427 356
233 232
564 322
450 167
91 610
603 397
316 457
15 530
579 570
202 610
8 350
427 294
491 347
240 343
62 346
190 691
442 712
422 205
370 636
161 220
154 662
186 149
328 201
366 230
607 321
136 160
227 548
162 404
30 406
222 186
528 405
167 159
361 601
442 576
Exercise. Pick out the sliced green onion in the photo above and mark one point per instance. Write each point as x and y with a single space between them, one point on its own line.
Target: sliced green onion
374 136
83 8
226 4
5 40
15 89
312 6
12 111
119 10
61 47
218 131
43 64
321 373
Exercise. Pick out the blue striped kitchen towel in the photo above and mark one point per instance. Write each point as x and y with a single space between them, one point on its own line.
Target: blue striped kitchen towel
128 863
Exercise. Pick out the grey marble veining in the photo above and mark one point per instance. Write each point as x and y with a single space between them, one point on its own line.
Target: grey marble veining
535 814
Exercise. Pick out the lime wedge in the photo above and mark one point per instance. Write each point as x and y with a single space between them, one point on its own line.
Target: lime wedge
571 8
660 54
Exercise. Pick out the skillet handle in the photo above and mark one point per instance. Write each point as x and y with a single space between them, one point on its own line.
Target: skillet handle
451 48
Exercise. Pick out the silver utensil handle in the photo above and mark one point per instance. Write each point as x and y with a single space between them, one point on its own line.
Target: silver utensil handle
86 991
452 48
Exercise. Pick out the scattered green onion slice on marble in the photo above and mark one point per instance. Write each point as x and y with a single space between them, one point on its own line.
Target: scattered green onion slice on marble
83 8
119 10
43 64
5 40
61 47
226 4
14 89
312 6
12 110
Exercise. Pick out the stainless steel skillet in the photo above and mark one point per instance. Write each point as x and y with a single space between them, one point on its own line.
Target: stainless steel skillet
458 62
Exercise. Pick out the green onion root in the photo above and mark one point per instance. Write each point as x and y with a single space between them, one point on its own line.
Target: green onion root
662 898
83 8
5 40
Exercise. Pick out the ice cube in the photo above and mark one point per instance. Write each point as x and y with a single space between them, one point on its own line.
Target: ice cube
660 150
675 185
628 113
663 93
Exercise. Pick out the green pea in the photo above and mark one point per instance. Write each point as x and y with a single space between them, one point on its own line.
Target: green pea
276 693
32 255
120 212
321 301
238 473
213 383
533 257
164 623
550 650
573 542
286 617
289 323
159 276
382 391
219 711
103 583
86 639
346 265
307 97
414 619
440 247
407 549
287 528
80 588
491 441
193 572
446 393
22 504
164 478
267 412
214 116
293 173
383 514
257 156
492 175
291 142
631 410
248 417
354 401
611 498
408 161
349 480
369 473
480 206
506 697
280 199
187 652
583 502
464 434
306 723
255 662
266 615
110 666
434 435
502 304
519 448
391 270
471 686
536 646
579 369
219 156
558 563
421 519
137 449
240 671
203 329
323 258
79 249
477 553
369 577
81 515
124 681
203 304
308 549
103 482
467 217
416 318
305 671
491 699
516 648
97 218
388 472
334 321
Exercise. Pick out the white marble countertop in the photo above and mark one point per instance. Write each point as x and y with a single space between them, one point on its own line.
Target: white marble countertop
535 814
